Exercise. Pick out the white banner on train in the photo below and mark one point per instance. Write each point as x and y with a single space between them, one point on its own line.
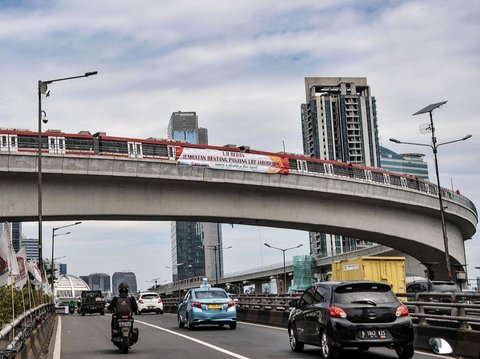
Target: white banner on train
234 161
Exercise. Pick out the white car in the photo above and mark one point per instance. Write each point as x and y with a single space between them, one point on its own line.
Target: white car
149 302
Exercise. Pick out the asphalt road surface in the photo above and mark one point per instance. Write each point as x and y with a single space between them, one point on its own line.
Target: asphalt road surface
77 337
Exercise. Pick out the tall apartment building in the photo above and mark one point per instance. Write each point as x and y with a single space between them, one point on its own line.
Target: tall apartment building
127 277
408 163
194 243
339 123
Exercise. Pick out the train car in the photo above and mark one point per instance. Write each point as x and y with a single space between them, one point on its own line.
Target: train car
52 141
228 157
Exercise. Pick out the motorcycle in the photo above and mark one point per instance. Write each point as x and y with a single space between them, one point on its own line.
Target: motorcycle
124 335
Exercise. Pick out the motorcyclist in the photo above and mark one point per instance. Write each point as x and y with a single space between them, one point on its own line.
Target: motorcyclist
122 293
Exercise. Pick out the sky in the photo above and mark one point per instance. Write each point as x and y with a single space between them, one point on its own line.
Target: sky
241 66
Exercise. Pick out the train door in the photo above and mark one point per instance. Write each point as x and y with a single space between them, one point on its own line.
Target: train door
368 175
8 143
172 152
302 166
56 145
329 168
135 150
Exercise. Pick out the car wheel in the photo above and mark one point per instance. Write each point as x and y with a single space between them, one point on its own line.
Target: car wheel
328 351
295 345
157 311
83 314
161 311
139 312
405 351
102 313
191 326
180 323
233 325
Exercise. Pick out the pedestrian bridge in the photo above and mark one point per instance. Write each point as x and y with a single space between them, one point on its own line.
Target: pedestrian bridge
99 188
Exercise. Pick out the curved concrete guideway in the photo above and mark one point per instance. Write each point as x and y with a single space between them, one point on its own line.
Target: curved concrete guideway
98 188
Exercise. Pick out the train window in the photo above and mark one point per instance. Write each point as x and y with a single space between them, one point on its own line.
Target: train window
13 141
106 146
359 173
155 150
315 167
292 163
377 177
78 144
340 170
395 180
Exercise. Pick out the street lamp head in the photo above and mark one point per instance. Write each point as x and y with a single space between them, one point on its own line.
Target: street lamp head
91 73
78 223
466 137
394 140
268 245
301 244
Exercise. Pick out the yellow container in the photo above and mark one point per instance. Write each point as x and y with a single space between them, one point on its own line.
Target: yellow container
388 270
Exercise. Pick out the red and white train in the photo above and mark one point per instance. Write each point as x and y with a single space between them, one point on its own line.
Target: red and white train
228 157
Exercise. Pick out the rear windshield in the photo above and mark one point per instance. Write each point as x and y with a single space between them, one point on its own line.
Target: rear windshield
91 294
378 293
149 296
210 294
445 287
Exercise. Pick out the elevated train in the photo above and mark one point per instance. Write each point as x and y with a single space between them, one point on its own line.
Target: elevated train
55 142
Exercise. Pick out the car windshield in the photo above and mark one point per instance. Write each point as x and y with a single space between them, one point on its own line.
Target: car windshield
210 294
366 293
445 287
150 296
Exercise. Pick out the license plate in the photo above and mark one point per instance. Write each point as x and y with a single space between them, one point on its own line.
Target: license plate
123 324
214 306
373 334
151 307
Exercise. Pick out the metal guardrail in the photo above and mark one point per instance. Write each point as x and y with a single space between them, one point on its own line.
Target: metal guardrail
14 334
429 309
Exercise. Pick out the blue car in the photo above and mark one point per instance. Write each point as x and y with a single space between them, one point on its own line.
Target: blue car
207 305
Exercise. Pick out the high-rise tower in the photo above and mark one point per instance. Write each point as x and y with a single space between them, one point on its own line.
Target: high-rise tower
195 245
339 123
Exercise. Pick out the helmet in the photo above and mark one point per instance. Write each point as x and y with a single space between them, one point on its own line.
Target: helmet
123 288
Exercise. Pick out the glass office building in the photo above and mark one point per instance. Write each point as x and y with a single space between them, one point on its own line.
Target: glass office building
408 163
196 246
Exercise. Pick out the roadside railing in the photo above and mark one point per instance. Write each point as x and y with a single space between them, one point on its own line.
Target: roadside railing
14 334
459 311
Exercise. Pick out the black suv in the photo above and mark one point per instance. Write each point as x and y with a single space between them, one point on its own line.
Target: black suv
361 314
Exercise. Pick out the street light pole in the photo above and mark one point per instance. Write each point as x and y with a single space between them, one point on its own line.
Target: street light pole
43 89
176 265
216 247
53 246
284 267
434 146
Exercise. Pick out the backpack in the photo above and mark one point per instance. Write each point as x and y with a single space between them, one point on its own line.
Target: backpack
123 306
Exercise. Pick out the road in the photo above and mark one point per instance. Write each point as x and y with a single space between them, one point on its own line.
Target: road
160 337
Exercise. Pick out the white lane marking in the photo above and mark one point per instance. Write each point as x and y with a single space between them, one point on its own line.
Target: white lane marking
58 339
264 326
195 340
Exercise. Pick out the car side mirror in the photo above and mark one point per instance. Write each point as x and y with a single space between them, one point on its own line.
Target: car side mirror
440 346
179 301
294 303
